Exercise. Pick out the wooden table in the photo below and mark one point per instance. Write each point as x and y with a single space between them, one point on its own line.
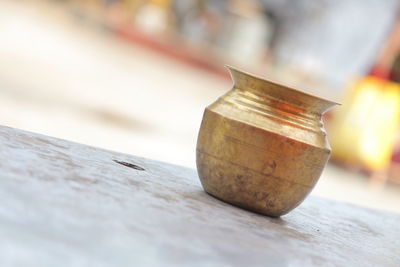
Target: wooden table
67 204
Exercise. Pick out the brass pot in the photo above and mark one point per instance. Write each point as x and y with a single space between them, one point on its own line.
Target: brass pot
262 145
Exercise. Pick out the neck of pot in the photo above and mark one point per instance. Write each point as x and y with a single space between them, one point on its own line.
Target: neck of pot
280 95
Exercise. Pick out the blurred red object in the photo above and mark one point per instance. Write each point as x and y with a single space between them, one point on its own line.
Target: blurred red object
381 73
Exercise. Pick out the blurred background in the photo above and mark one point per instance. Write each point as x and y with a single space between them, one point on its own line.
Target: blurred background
135 75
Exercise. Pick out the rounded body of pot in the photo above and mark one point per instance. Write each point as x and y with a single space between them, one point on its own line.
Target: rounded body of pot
262 145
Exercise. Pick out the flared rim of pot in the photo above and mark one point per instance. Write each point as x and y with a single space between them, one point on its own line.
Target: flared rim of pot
331 103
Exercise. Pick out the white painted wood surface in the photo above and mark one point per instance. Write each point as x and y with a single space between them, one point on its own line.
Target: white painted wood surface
66 204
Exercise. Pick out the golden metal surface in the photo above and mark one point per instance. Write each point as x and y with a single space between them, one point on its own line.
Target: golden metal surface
262 145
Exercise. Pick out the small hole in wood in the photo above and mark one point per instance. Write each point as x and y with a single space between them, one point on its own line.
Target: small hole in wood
129 165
